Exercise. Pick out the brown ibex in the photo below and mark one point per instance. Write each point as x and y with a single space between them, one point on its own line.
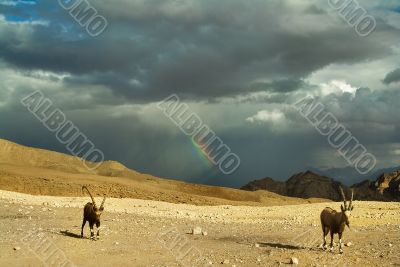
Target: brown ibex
335 222
92 213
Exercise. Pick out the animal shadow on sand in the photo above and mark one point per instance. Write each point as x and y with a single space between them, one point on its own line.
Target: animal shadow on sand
288 246
69 234
279 245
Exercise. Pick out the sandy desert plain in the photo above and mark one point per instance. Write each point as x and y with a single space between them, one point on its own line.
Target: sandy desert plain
148 221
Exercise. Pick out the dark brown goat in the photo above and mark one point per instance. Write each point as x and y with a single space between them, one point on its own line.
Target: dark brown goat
92 213
335 222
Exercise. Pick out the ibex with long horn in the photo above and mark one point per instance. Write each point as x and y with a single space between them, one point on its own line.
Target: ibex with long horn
92 213
335 222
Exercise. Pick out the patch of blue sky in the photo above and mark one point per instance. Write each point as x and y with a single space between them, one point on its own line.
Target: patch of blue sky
27 11
17 2
23 16
18 11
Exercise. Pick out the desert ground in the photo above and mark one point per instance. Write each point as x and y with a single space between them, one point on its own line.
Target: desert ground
148 221
153 233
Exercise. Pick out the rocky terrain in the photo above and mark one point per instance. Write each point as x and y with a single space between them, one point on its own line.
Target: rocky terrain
152 233
311 185
388 184
150 221
303 185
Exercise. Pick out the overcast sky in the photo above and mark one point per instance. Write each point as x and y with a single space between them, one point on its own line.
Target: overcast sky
238 64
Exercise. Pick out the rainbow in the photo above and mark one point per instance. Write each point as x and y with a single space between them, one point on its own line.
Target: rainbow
201 151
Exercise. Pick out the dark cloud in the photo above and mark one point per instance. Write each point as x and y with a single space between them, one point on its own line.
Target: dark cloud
199 50
313 9
392 77
283 86
230 60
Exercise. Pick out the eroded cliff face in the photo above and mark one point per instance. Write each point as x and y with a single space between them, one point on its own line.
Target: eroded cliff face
388 184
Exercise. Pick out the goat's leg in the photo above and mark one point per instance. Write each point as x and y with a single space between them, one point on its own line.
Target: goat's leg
340 243
91 230
83 226
331 249
98 230
326 231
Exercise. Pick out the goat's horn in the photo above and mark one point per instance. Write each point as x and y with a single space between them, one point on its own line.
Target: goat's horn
104 199
352 195
344 198
94 202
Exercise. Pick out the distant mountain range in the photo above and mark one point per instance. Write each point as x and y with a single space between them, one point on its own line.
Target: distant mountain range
350 176
312 185
37 171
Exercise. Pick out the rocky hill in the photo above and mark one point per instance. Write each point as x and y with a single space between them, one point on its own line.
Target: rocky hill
311 185
15 154
388 184
267 184
42 172
365 191
303 185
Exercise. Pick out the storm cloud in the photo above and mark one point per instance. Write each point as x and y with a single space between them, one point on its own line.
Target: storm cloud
238 64
392 77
